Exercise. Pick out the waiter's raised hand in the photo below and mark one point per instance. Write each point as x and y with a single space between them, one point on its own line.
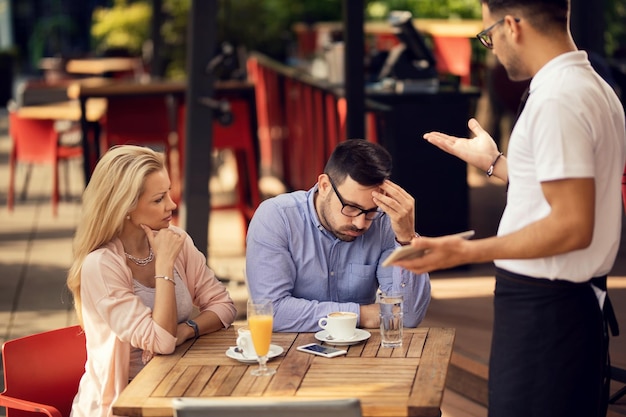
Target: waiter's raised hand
479 151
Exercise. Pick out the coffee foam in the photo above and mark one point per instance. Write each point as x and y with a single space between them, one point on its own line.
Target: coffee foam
342 314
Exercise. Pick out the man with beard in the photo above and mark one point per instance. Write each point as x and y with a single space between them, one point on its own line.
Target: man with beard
319 251
560 231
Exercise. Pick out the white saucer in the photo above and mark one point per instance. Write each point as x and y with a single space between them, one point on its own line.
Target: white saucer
275 350
359 336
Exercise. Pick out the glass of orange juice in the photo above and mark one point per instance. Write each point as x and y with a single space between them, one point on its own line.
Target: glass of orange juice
260 321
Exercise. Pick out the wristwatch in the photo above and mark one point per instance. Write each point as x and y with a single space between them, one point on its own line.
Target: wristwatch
194 326
409 242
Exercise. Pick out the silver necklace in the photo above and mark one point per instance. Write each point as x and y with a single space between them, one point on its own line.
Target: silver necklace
141 261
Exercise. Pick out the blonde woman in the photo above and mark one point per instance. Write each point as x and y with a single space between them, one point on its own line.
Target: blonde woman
135 279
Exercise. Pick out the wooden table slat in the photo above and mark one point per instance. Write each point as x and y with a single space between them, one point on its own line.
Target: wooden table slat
292 370
143 386
435 361
221 383
182 378
372 345
168 382
256 387
417 344
196 386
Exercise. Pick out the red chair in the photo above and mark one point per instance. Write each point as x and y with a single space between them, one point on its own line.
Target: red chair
35 141
270 115
295 175
336 110
371 133
240 137
42 372
138 120
454 56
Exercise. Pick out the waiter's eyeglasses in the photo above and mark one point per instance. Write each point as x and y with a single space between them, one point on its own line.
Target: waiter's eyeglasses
485 36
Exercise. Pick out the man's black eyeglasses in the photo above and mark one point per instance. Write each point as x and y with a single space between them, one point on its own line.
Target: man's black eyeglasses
485 36
353 211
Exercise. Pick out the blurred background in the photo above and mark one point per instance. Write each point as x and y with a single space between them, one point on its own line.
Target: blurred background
33 31
280 64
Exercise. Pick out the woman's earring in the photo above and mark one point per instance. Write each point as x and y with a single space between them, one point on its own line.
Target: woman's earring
128 217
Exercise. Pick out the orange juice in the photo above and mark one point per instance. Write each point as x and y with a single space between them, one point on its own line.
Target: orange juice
261 330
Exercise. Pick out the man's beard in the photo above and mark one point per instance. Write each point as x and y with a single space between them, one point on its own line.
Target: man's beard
338 233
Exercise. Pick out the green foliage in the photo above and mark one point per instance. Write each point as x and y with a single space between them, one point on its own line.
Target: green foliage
174 33
49 34
266 25
615 33
450 9
258 25
47 37
124 26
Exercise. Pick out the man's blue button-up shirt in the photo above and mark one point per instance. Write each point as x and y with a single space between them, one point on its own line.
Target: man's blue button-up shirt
308 272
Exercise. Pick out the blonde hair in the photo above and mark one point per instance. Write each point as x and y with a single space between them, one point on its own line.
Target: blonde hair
113 191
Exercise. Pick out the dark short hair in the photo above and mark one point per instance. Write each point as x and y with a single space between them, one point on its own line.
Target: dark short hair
544 15
365 162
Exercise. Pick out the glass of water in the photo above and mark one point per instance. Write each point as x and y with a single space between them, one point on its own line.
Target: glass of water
391 319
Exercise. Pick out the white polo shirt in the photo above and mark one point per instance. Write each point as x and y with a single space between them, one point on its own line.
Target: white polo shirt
572 127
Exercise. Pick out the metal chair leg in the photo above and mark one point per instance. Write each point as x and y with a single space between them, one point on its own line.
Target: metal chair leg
618 374
29 171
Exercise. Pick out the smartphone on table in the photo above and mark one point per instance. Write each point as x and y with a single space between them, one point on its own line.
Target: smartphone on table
320 350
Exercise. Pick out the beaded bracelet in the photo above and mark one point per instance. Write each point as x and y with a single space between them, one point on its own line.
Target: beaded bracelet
165 277
493 164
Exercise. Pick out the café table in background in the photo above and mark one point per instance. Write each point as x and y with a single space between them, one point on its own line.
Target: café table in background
393 382
115 66
65 110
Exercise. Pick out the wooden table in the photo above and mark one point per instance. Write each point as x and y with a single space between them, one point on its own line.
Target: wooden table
65 110
99 66
407 381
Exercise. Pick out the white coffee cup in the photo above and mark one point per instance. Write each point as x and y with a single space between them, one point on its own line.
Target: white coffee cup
340 325
244 342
